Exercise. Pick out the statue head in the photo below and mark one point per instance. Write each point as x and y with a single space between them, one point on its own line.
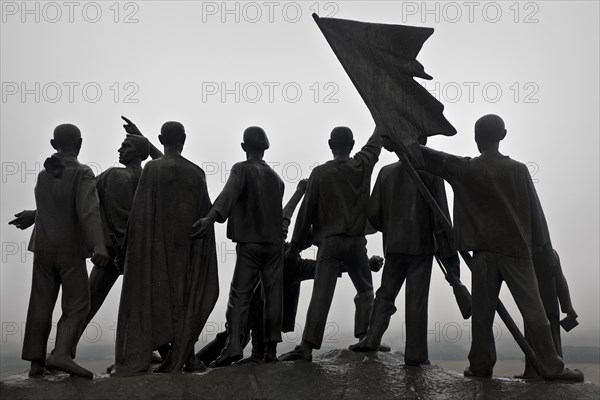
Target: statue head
134 148
341 140
172 135
489 131
255 140
67 139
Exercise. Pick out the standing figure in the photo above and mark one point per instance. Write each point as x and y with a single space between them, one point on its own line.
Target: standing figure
251 201
498 216
294 273
170 283
67 230
116 188
335 206
554 291
397 209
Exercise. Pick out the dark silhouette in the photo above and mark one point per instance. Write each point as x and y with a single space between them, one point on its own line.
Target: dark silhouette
170 283
410 230
251 201
67 230
294 272
335 206
498 216
116 187
554 290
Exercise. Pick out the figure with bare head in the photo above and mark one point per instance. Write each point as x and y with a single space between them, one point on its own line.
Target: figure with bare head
67 230
498 216
170 282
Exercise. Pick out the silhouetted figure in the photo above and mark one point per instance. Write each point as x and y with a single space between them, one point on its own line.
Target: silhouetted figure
170 283
67 230
251 201
498 216
399 211
554 290
294 272
335 206
116 188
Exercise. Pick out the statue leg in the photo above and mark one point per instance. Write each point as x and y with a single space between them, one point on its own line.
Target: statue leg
329 257
520 278
45 286
211 351
102 279
245 278
485 285
392 278
75 306
271 277
418 279
357 263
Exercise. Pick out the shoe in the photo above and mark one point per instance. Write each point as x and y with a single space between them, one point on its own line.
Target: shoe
156 358
526 376
421 363
570 375
469 374
385 348
110 369
362 346
37 369
270 354
270 357
195 366
227 357
297 354
253 359
66 364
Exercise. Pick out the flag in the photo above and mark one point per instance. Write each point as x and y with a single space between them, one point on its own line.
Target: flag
381 62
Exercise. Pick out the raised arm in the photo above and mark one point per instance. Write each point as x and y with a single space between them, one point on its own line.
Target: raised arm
370 152
132 129
292 203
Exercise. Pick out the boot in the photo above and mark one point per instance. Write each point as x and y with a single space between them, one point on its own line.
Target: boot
270 352
231 353
380 319
364 305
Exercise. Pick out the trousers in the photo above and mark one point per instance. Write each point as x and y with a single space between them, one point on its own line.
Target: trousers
50 273
352 252
489 270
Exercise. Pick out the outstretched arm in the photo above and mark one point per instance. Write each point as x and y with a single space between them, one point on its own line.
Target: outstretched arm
222 206
24 219
132 129
291 205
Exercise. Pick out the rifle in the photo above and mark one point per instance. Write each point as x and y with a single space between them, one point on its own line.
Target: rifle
500 309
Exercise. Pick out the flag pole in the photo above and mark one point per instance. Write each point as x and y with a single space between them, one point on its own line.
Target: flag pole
447 226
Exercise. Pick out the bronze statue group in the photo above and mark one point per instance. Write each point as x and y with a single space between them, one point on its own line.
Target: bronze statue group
155 227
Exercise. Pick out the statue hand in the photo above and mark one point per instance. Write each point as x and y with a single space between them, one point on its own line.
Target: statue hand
24 219
100 256
201 228
130 127
375 262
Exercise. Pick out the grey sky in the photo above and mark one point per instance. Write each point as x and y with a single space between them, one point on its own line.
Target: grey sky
534 63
